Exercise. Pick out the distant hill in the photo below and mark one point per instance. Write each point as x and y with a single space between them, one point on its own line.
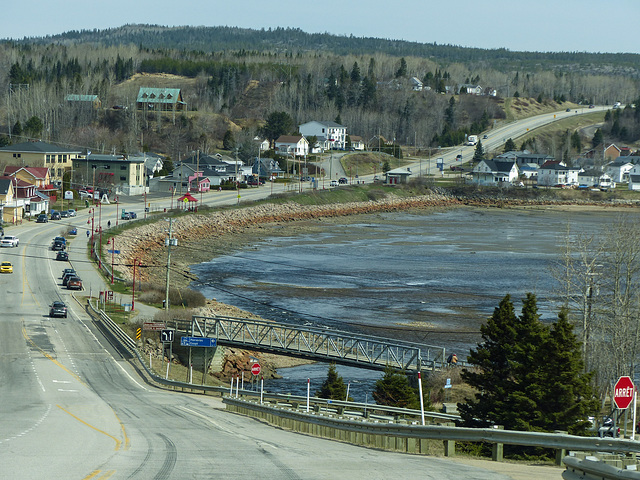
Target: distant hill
208 39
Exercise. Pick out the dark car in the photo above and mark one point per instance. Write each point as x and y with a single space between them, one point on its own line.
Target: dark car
42 218
62 256
74 283
58 309
67 276
58 246
55 216
133 215
343 181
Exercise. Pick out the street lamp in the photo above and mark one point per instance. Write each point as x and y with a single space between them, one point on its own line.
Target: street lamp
133 295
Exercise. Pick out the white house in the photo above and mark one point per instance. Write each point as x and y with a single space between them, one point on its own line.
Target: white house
357 143
331 135
471 89
416 84
619 170
495 172
557 173
292 145
634 178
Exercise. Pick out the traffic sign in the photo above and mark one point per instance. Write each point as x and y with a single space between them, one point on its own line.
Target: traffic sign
197 342
255 369
154 325
623 392
167 335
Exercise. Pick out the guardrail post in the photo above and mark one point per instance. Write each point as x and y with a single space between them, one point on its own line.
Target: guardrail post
449 448
497 450
561 452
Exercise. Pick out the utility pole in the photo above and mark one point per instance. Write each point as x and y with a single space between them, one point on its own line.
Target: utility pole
166 294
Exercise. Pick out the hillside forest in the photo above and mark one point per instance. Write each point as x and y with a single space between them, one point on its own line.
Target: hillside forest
233 79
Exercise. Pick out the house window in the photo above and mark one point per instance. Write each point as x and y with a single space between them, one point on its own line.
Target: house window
59 172
123 167
123 178
17 155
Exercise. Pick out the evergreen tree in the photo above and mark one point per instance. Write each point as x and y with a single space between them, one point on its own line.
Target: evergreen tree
278 123
509 146
355 73
17 129
528 377
598 138
402 69
333 386
393 389
576 142
478 154
568 399
228 141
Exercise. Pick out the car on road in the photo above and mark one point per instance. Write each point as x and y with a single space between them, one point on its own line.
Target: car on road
58 309
456 168
58 245
67 276
64 214
9 241
72 212
485 136
42 218
62 256
55 215
592 106
74 283
333 183
459 157
73 231
343 181
568 110
6 267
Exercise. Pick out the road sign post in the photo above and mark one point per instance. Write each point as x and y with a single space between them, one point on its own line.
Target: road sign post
255 369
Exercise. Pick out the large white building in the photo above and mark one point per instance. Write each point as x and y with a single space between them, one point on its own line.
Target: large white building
330 135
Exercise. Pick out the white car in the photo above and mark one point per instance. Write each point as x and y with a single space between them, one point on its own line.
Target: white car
9 241
71 212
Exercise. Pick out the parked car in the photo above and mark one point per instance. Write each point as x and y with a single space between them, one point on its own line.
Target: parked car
58 309
74 283
42 218
64 214
9 241
62 256
73 231
72 212
6 267
253 181
55 215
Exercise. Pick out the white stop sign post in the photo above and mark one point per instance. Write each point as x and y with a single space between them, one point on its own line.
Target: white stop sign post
624 392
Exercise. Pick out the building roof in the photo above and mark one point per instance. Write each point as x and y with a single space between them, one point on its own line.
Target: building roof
38 147
37 172
5 184
95 157
329 124
504 166
159 95
289 138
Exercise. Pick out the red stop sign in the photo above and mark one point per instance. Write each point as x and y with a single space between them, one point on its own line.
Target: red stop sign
255 369
623 392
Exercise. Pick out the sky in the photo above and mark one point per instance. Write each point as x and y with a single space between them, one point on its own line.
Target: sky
518 25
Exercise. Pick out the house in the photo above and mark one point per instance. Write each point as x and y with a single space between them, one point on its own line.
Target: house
91 100
589 178
470 89
397 176
416 84
267 168
41 154
634 178
331 134
529 171
292 145
525 157
357 143
555 172
119 174
11 212
263 144
165 99
495 172
619 170
38 176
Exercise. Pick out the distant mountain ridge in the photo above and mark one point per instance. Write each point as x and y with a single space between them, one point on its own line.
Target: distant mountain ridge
294 40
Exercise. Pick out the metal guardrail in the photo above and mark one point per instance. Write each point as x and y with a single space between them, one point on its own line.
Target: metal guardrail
590 469
383 428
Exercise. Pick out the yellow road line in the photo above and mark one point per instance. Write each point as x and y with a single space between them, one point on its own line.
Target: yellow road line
118 442
95 474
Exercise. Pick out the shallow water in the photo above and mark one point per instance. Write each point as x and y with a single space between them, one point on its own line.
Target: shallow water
395 274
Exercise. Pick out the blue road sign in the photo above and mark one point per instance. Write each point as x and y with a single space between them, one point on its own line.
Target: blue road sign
197 342
113 251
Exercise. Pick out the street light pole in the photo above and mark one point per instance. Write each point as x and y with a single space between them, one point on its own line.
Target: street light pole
166 294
